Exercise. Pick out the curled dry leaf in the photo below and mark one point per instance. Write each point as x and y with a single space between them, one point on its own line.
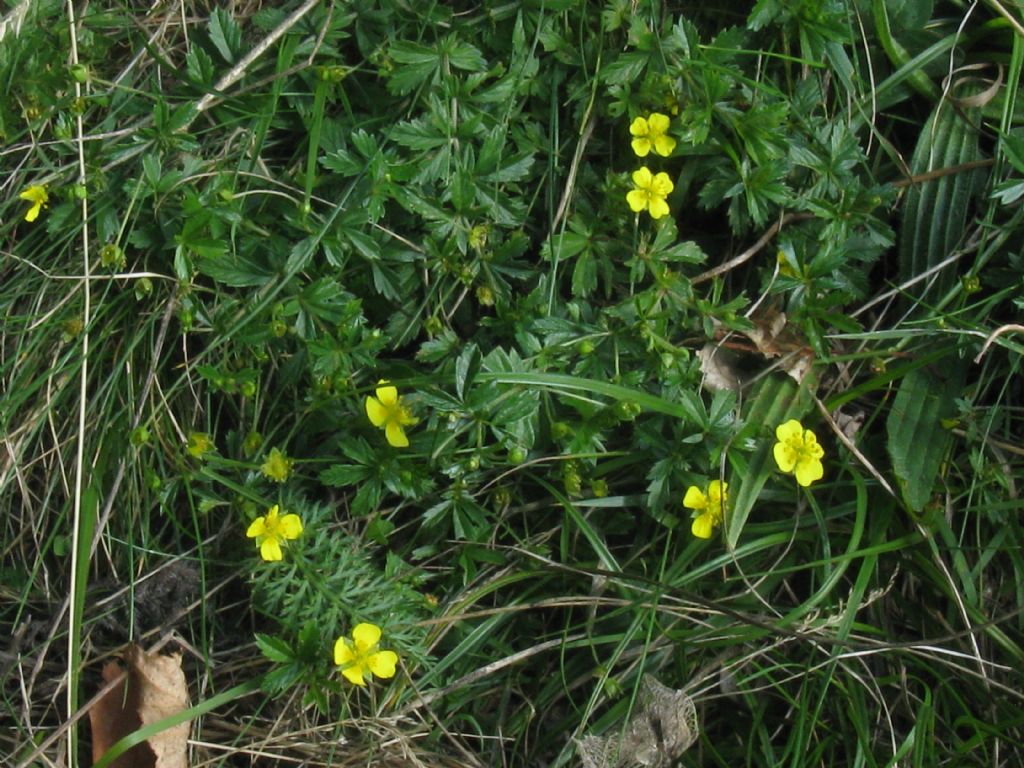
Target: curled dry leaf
663 726
153 687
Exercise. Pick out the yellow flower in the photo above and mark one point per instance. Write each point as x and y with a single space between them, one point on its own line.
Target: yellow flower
388 411
37 195
709 509
798 452
652 133
270 530
650 192
359 657
277 466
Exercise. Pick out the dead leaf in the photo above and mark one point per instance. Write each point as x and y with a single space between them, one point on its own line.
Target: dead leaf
719 368
153 688
663 726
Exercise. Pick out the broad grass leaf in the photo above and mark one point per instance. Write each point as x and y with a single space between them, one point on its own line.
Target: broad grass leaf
935 213
917 440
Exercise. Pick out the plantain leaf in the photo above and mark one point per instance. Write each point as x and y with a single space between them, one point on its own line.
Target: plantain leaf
778 399
935 212
917 440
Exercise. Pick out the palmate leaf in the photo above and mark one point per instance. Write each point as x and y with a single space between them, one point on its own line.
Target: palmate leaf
225 34
917 440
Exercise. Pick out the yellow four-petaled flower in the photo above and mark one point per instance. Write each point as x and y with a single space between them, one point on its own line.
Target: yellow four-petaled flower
797 451
37 195
272 529
708 508
652 133
387 411
649 193
360 657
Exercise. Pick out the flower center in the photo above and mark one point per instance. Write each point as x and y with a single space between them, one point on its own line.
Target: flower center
272 527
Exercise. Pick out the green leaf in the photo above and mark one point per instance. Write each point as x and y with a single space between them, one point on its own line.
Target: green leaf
935 213
416 65
420 134
467 365
235 271
342 475
584 274
199 66
225 34
274 648
917 440
627 68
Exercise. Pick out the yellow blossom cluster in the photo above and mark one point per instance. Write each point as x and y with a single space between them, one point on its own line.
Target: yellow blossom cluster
796 452
651 190
358 658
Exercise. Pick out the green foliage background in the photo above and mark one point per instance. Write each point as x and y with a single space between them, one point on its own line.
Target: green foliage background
279 206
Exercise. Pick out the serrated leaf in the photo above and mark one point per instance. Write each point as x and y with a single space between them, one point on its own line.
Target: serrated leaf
225 34
344 162
466 367
342 475
917 441
463 55
416 64
235 271
627 68
199 66
419 134
274 648
584 274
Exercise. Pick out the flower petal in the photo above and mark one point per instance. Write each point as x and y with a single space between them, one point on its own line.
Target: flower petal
694 498
256 528
658 123
382 663
33 213
639 127
664 145
642 177
290 526
396 435
785 456
354 674
270 549
809 470
717 493
662 185
343 653
637 200
387 394
788 430
641 146
657 207
366 636
376 411
703 526
811 445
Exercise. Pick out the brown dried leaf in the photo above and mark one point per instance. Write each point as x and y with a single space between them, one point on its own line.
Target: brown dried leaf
663 726
154 688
